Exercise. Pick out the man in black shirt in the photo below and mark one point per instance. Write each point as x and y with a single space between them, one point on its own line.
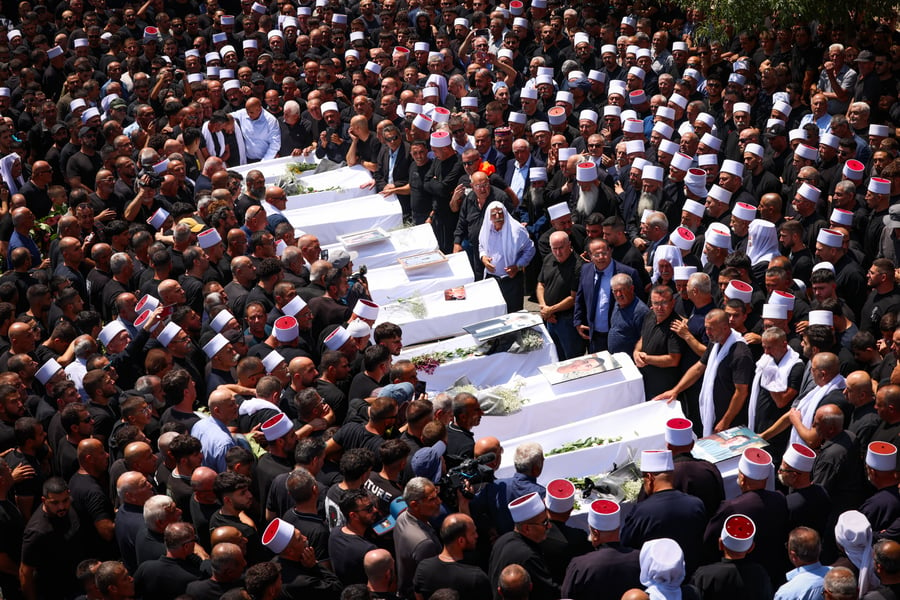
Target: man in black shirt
233 492
348 544
467 415
446 570
659 350
169 576
556 289
228 564
82 168
52 545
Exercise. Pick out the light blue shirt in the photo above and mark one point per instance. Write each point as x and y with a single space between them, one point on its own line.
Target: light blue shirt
804 583
518 179
215 440
392 160
601 312
262 137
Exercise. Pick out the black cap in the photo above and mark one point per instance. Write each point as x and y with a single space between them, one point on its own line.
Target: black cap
84 131
865 56
776 130
258 78
56 128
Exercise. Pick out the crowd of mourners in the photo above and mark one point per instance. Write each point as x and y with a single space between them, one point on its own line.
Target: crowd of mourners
197 402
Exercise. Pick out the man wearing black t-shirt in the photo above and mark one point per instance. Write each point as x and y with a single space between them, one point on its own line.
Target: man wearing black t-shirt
446 569
348 544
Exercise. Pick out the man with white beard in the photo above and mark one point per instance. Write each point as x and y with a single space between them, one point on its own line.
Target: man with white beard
591 195
652 196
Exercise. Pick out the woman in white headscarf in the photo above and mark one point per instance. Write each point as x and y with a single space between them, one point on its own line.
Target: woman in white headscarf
505 250
665 259
853 535
762 246
11 172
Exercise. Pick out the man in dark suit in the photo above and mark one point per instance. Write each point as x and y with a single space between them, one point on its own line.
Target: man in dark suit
517 171
393 168
591 300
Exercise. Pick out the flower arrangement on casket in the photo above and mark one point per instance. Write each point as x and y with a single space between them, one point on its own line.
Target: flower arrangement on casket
622 484
499 400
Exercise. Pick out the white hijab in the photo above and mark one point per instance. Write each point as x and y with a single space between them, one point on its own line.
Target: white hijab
662 569
502 247
440 82
853 533
6 164
762 242
669 253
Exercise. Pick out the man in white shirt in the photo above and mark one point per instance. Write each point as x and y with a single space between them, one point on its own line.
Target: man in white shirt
262 135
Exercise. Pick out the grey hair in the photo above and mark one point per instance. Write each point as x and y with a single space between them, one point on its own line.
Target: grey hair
527 457
416 489
119 261
442 401
700 282
155 510
181 233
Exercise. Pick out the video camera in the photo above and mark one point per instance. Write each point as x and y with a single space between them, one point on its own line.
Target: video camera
471 470
147 177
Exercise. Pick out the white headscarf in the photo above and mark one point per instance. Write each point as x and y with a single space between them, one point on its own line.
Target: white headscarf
669 253
853 533
762 241
662 569
502 247
6 164
440 82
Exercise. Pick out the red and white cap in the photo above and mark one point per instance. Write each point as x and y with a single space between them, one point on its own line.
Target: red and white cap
272 360
556 115
853 169
142 318
810 193
738 290
774 311
784 299
718 239
830 238
286 329
216 344
604 515
560 496
47 371
586 172
221 319
440 139
679 432
637 98
879 185
516 8
656 461
159 217
744 211
633 126
424 123
842 217
682 238
755 463
684 272
800 457
168 334
337 339
526 507
208 239
821 317
366 309
807 152
110 331
278 535
881 456
681 161
738 532
277 427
